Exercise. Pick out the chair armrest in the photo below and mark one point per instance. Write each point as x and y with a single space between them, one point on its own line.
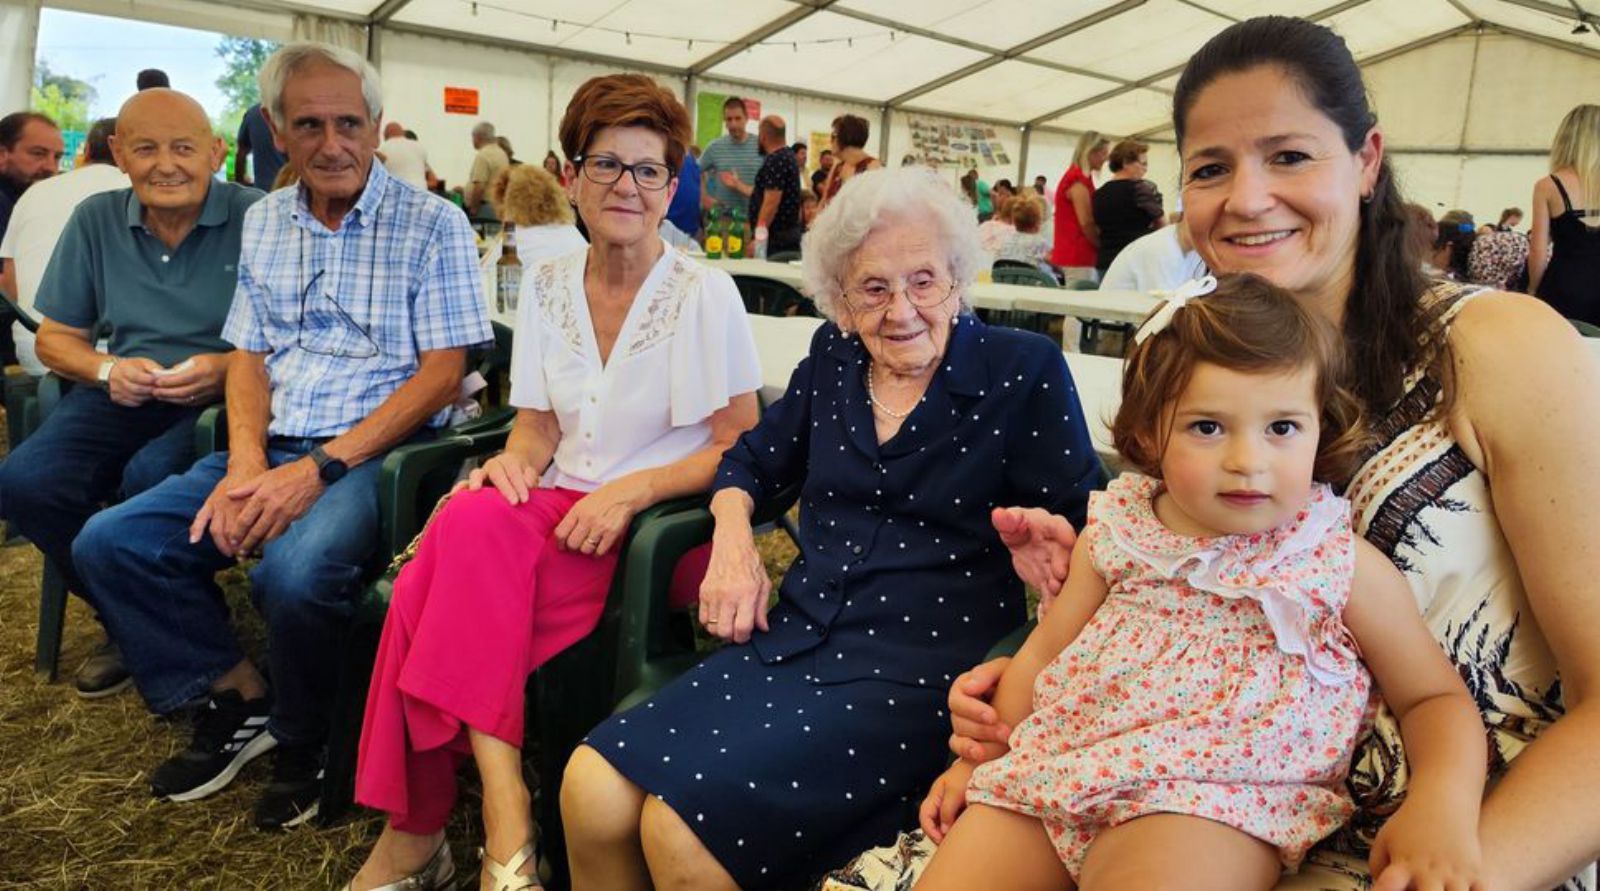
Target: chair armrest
51 388
413 478
211 431
659 538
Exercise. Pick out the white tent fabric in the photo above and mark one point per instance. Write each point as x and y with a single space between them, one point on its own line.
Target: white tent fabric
1469 91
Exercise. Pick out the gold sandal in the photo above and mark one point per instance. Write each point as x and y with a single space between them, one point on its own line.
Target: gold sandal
437 874
505 875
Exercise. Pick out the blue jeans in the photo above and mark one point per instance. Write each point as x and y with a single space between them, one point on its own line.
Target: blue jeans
89 451
157 595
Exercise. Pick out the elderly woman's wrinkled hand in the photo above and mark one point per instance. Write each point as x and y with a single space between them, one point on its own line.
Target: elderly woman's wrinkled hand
733 597
978 734
600 519
510 474
1041 548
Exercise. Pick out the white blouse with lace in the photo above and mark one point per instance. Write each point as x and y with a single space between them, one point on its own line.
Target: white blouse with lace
683 352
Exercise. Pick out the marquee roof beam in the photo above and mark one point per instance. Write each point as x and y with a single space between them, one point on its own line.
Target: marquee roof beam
1163 75
996 56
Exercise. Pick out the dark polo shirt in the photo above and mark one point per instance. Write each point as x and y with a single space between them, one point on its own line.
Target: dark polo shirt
109 271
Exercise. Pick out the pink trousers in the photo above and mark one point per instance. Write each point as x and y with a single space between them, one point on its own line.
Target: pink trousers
488 599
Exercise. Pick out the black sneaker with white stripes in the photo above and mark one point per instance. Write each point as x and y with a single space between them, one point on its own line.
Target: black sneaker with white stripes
296 788
228 733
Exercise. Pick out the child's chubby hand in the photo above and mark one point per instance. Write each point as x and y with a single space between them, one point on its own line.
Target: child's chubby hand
945 800
1425 847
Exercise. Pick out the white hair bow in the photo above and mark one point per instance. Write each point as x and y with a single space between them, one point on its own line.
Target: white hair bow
1180 296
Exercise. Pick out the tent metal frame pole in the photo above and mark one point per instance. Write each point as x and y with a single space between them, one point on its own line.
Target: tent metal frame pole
1146 81
691 101
386 11
798 14
1022 158
885 119
526 48
996 56
1468 28
1542 40
1565 12
280 7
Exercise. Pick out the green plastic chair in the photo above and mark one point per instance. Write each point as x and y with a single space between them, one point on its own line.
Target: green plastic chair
638 647
52 586
21 389
411 481
770 297
1031 276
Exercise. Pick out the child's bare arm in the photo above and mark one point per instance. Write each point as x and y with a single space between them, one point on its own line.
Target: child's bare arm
1434 835
1082 594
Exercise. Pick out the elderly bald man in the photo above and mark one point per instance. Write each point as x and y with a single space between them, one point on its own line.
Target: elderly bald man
156 266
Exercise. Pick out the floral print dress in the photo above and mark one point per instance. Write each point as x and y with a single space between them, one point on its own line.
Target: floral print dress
1217 679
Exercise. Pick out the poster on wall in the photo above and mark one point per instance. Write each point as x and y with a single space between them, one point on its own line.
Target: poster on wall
957 145
708 117
460 100
820 141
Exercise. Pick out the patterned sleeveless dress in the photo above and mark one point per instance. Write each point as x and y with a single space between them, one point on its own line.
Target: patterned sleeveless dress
1217 679
1420 501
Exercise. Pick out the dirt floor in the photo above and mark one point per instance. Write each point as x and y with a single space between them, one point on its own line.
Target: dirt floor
75 806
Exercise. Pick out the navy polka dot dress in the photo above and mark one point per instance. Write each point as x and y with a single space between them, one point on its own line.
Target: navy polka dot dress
792 753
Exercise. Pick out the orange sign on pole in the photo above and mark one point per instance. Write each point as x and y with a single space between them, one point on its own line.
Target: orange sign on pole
460 100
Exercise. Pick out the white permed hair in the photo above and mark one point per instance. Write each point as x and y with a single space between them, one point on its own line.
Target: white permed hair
872 199
291 58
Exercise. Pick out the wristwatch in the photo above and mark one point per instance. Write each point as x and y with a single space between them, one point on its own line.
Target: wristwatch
329 468
102 375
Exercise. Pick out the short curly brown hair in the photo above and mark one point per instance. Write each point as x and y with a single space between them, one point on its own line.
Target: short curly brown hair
1247 325
624 100
526 195
851 131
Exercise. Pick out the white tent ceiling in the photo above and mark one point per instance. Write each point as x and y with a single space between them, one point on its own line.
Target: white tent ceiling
1048 64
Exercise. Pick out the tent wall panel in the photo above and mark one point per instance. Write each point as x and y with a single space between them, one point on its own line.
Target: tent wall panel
513 91
1480 184
1524 90
1490 183
1049 155
1421 96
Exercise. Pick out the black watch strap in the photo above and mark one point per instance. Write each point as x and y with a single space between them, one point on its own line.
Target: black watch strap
329 468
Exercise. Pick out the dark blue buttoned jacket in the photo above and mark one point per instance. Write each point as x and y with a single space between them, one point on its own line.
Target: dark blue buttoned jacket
901 576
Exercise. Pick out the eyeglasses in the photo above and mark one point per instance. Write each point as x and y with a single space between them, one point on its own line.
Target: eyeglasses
332 339
605 170
921 289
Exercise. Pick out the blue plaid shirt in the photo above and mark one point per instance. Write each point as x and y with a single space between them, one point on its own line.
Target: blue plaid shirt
343 316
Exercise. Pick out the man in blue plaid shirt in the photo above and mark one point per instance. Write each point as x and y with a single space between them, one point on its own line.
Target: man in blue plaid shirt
358 297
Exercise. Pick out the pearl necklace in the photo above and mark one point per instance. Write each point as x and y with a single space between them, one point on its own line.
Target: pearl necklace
873 398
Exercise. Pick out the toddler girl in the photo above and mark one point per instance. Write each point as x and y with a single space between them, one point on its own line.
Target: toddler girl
1186 712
